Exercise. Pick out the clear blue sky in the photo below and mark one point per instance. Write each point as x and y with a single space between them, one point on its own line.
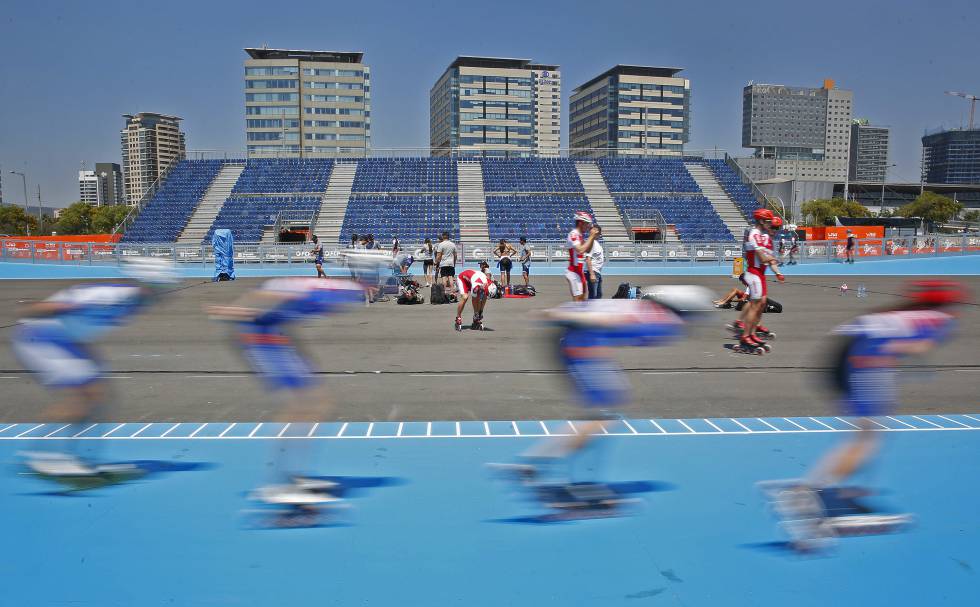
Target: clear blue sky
69 70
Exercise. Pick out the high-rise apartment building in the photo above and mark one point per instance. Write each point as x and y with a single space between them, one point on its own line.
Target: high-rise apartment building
869 152
496 107
307 104
631 110
150 144
103 186
951 156
797 132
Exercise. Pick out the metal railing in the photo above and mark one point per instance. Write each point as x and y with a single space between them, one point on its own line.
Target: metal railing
547 253
352 154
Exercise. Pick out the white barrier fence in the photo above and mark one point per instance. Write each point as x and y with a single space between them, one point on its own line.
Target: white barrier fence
75 253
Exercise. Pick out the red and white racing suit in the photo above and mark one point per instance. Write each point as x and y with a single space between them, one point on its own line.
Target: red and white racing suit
575 274
468 279
755 269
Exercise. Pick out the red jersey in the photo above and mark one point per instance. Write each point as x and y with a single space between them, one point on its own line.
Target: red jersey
756 240
470 278
575 262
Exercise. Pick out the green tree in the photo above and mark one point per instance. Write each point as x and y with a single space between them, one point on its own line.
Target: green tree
932 207
75 219
14 221
972 216
821 210
105 218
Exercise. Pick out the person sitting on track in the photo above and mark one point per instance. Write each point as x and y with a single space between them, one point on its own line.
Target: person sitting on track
578 245
478 286
54 341
262 318
735 294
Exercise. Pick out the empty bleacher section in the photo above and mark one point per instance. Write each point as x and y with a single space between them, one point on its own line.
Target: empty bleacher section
203 216
412 218
536 217
733 185
531 175
166 214
718 197
604 209
284 176
642 186
248 216
412 198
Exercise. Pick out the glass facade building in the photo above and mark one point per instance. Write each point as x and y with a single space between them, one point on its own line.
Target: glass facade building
306 104
496 107
951 157
631 110
869 152
150 144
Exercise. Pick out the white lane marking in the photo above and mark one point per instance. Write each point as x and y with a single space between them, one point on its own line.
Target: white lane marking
795 424
841 419
632 429
603 428
971 417
370 429
874 421
513 425
903 423
29 430
254 430
710 423
428 428
457 429
768 424
927 421
83 431
827 426
681 422
343 428
7 428
283 431
954 421
56 431
402 425
545 428
199 428
486 428
657 426
140 431
113 430
740 424
226 430
169 430
313 430
572 426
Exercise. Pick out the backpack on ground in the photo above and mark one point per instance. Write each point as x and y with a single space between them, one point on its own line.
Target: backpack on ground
437 294
523 291
623 292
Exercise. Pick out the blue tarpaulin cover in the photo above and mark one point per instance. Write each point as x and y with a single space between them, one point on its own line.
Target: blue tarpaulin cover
224 253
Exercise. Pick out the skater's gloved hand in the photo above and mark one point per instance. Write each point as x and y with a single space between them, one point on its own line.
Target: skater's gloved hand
780 277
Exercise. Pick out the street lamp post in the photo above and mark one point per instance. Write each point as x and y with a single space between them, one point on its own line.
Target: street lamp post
23 177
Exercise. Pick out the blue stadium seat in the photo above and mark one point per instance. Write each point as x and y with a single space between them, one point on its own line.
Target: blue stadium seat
411 218
284 176
547 218
248 216
733 186
532 175
647 175
405 175
693 216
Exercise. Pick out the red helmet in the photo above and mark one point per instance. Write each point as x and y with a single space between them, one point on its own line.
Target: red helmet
937 292
583 216
777 222
762 214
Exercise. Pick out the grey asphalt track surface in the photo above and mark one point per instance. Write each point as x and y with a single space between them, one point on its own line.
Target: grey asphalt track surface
391 362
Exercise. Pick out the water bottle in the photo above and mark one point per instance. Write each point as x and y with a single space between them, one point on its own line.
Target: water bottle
862 292
843 289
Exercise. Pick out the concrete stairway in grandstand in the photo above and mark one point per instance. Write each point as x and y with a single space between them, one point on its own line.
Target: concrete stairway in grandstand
333 205
269 235
472 202
200 221
603 207
670 236
723 204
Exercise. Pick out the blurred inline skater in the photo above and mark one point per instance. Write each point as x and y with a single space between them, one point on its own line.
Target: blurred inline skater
478 286
864 371
578 245
262 319
589 333
757 250
54 340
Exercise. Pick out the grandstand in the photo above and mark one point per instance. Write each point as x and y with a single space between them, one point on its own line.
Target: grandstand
417 198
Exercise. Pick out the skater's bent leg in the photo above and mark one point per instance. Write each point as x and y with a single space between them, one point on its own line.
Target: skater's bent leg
847 459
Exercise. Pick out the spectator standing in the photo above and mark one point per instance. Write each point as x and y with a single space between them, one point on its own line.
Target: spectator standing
395 247
503 252
849 247
427 254
594 260
318 257
446 261
524 255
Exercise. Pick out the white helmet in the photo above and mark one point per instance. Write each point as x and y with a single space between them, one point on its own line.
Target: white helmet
583 216
492 290
150 270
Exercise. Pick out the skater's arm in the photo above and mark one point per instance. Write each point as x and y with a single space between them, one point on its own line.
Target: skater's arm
586 246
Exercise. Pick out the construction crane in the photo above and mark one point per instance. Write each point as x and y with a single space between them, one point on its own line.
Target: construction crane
973 103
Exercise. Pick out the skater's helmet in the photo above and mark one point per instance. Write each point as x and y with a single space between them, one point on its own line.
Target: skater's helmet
777 222
682 299
492 290
762 214
583 216
937 292
149 270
